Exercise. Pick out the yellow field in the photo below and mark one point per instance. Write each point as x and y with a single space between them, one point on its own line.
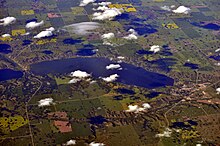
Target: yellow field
17 32
124 7
27 12
42 42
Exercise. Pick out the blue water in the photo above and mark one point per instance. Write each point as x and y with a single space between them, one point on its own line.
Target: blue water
48 52
5 48
71 41
119 97
216 57
130 74
144 52
8 74
97 120
153 94
147 29
87 50
31 20
191 65
210 26
125 91
180 125
26 42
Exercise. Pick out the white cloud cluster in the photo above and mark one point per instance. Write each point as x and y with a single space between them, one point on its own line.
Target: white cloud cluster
71 142
46 33
82 28
106 14
111 78
137 109
166 133
218 90
155 48
166 8
132 36
6 35
113 66
96 144
86 2
45 102
108 35
33 24
104 3
78 76
217 50
7 21
182 10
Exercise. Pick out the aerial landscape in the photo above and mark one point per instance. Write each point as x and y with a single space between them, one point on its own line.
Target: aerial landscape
110 72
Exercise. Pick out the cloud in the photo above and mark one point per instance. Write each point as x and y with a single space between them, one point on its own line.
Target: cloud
166 133
166 8
79 74
86 2
6 35
182 9
83 28
96 144
71 142
111 78
113 66
46 33
218 90
132 36
217 50
108 35
74 80
137 109
121 57
104 3
107 14
155 48
101 8
7 21
45 102
33 24
198 144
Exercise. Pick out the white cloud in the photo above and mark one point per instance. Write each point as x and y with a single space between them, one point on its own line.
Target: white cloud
71 142
166 133
107 14
182 9
108 35
46 33
137 109
101 8
121 57
96 144
74 80
198 144
45 102
113 66
6 35
132 36
155 48
83 28
86 2
104 3
166 8
218 90
111 78
7 21
33 24
217 50
79 74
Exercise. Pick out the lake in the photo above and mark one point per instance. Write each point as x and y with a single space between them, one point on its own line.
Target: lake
130 74
8 74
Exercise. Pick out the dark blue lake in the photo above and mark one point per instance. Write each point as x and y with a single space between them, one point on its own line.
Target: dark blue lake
26 42
71 41
5 48
191 65
210 26
215 57
153 94
130 74
97 120
164 64
48 52
8 74
125 91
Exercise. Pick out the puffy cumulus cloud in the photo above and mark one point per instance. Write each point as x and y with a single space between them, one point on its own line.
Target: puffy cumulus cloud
96 144
46 33
167 133
107 14
198 144
79 74
217 50
155 48
82 28
132 36
111 78
101 8
137 109
74 80
6 35
45 102
33 24
218 90
108 35
104 3
86 2
71 142
182 9
7 21
113 66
